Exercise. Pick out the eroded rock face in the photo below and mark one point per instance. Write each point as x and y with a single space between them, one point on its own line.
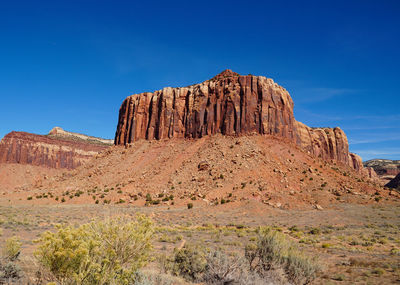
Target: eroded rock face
230 104
371 173
27 148
327 143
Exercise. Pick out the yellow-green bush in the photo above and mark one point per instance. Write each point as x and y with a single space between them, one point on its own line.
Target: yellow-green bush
100 252
12 248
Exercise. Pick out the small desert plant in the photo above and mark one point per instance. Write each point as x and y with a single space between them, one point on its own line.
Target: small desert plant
12 248
221 269
9 271
100 252
315 231
190 205
188 262
274 251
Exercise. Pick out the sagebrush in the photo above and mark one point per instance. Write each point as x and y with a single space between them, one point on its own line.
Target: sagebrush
100 252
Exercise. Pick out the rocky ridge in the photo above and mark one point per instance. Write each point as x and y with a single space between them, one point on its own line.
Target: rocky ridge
230 104
56 150
58 132
385 169
267 169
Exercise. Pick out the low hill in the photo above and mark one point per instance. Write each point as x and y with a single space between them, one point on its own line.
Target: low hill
210 170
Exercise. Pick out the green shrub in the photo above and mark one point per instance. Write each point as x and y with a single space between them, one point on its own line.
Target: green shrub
10 271
148 197
378 271
339 277
188 262
12 248
100 252
315 231
273 251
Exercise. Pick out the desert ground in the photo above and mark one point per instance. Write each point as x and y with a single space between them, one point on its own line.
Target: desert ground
355 244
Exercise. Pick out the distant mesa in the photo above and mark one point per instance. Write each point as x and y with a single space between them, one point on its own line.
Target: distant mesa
58 132
385 169
229 104
58 149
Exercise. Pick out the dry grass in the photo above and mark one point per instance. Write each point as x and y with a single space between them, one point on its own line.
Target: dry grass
355 243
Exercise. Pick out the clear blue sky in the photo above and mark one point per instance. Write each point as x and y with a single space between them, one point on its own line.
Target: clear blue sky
71 63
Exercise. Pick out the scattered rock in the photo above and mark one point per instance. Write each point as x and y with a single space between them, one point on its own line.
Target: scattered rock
318 207
203 165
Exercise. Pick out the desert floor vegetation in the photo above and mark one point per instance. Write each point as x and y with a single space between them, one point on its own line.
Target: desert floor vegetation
120 244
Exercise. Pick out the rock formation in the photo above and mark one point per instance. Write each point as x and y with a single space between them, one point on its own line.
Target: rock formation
371 173
58 132
230 104
384 167
55 151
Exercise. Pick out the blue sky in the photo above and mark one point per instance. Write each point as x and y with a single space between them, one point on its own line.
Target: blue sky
71 63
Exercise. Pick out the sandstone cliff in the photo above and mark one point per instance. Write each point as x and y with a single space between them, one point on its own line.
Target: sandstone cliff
230 104
50 151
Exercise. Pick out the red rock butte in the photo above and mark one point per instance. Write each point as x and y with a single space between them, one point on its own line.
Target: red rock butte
230 104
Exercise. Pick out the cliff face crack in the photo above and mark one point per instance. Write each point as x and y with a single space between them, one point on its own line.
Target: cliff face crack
230 104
